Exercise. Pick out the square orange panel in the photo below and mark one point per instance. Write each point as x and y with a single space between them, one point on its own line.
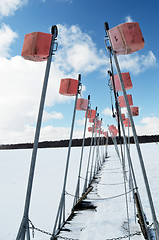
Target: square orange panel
127 122
68 87
36 46
82 104
126 79
122 103
135 111
126 38
91 113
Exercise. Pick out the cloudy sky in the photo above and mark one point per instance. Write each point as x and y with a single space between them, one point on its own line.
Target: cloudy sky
81 50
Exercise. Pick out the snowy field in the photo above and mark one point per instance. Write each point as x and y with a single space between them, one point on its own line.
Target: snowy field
107 221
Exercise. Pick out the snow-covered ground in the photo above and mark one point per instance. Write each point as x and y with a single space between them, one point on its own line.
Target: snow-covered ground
104 222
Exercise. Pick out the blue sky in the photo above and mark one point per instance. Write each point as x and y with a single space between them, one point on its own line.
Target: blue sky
81 50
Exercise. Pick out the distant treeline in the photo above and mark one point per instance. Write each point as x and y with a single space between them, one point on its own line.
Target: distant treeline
76 143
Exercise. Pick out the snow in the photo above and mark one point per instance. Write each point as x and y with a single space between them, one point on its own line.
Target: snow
106 221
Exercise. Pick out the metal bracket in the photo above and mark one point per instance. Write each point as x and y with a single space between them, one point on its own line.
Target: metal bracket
55 47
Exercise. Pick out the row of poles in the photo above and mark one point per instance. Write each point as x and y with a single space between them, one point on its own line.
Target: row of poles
92 165
147 232
96 156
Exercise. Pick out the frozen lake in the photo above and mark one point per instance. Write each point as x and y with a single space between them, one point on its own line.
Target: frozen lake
110 215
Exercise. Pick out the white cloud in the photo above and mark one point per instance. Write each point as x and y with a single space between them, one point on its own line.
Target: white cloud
137 63
17 93
52 115
83 89
31 116
21 90
150 127
7 37
78 52
48 133
107 112
21 86
8 7
128 19
81 122
147 126
154 121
